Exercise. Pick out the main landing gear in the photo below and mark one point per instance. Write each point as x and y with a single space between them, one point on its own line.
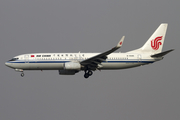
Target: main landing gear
87 73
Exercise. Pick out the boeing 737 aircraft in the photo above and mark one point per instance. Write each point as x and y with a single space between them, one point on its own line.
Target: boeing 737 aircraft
72 63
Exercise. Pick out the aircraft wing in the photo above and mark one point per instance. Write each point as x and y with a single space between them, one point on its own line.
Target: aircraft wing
95 61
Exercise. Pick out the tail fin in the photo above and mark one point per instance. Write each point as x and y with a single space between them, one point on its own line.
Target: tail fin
155 42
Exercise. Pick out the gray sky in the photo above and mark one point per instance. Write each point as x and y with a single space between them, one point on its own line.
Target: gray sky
144 93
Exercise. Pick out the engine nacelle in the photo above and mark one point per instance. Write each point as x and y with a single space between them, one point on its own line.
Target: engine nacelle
72 66
67 72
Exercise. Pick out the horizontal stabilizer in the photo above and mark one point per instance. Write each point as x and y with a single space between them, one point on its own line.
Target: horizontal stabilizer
162 53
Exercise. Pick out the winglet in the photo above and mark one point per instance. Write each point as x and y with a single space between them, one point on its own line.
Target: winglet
120 42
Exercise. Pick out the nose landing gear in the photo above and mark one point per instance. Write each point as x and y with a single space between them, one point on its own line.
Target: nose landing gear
20 70
22 74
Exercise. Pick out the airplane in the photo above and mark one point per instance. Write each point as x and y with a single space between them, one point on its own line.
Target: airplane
72 63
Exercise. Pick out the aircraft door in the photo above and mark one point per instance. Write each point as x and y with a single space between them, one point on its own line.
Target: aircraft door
26 58
139 58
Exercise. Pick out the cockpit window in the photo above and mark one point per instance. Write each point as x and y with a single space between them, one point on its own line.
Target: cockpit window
14 59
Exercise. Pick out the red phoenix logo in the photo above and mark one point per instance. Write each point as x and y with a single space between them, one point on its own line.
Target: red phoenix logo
120 43
156 43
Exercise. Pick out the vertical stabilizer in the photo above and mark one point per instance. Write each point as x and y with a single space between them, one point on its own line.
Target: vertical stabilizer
155 42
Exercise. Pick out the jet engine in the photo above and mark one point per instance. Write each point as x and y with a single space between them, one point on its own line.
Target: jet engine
72 66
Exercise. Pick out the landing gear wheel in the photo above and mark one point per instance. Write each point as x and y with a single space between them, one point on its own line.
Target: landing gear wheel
90 72
86 75
22 74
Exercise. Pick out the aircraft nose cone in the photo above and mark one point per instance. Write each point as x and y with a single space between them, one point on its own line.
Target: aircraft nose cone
8 64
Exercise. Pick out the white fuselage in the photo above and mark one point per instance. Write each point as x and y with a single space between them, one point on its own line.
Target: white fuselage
55 61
